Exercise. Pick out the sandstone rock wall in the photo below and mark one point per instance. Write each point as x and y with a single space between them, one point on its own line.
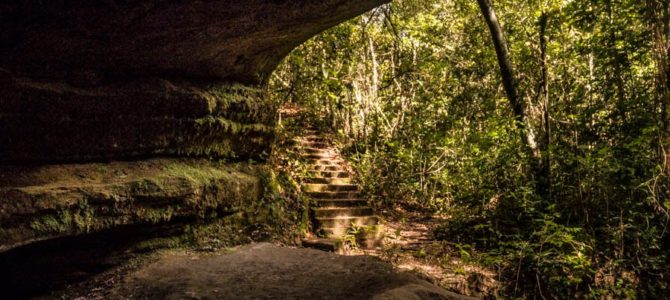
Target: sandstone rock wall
237 40
89 80
94 81
61 200
54 122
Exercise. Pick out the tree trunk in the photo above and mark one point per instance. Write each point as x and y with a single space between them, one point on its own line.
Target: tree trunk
544 180
509 83
659 25
615 79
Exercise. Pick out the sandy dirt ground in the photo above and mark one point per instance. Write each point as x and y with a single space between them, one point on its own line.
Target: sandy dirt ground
266 271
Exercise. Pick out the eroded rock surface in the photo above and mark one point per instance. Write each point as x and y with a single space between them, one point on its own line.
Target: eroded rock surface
265 271
86 82
238 40
44 202
90 80
44 121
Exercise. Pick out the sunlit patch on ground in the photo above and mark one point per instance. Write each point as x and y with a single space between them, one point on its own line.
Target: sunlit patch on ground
410 246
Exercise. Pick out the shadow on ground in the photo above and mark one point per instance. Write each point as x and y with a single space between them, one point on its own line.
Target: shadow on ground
43 267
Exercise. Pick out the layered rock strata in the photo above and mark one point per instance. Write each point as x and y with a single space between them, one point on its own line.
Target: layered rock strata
60 200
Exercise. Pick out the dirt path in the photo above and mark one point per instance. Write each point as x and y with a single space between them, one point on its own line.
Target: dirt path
409 245
265 271
408 242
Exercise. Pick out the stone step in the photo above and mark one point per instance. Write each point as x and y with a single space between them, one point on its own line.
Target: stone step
324 180
323 151
341 202
314 138
325 154
320 150
332 212
338 206
331 174
319 187
374 232
318 168
315 157
334 195
308 144
371 236
346 221
322 156
334 232
324 244
327 162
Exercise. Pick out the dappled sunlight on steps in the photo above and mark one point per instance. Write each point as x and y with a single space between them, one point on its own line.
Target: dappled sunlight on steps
340 214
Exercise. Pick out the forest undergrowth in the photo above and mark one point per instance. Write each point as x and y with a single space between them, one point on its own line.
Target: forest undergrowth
553 174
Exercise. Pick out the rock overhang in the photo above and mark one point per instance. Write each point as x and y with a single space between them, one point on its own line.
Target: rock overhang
96 81
233 40
122 79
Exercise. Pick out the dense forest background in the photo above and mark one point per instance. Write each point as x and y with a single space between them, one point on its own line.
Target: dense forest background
564 193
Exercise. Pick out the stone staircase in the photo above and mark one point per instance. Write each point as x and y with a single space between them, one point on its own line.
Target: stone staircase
340 213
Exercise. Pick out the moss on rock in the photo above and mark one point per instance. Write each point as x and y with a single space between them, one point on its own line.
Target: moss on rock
164 190
48 121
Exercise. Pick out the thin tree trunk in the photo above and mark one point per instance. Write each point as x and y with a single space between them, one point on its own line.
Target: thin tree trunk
509 83
659 24
666 46
544 181
616 74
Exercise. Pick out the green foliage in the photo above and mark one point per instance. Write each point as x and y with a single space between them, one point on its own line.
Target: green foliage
78 219
413 91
